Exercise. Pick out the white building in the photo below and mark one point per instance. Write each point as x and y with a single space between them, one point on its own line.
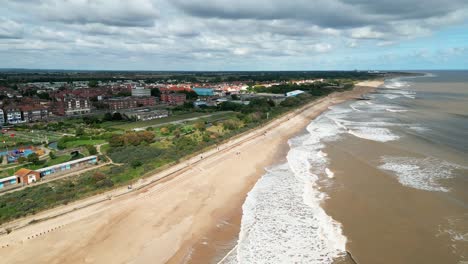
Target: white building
2 117
294 93
141 91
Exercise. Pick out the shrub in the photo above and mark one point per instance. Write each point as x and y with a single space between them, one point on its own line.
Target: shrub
136 163
91 149
52 155
290 102
33 158
232 124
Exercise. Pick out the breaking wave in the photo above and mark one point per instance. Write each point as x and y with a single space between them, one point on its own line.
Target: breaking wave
420 173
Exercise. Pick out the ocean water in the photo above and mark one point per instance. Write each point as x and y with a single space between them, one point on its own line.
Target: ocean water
412 139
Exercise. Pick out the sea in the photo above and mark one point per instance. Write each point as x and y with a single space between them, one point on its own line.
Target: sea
378 180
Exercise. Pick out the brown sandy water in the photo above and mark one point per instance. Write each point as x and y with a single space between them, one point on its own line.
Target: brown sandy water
384 221
417 211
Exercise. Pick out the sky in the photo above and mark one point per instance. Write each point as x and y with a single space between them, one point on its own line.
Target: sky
224 35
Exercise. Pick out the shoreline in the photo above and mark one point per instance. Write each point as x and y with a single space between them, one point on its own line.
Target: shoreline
165 220
199 251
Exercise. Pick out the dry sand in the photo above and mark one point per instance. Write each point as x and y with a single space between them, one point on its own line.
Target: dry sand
165 222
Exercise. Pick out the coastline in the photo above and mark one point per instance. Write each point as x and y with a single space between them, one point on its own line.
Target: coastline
169 221
221 240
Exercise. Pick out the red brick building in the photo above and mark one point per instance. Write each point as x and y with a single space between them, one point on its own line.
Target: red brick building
173 98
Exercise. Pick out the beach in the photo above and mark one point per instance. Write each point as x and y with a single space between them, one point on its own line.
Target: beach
191 216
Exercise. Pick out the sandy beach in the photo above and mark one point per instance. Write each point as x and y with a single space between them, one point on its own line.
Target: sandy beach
191 216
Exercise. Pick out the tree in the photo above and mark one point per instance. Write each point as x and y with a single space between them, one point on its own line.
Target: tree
52 155
146 136
234 97
93 83
136 163
79 132
156 92
22 160
117 116
116 141
33 158
91 149
44 96
191 95
107 117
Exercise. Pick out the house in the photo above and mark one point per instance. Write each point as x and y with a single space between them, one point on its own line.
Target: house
26 176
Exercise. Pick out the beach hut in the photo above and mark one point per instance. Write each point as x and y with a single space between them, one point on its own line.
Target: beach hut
8 181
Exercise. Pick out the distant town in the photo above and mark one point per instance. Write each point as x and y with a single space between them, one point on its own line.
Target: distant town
43 101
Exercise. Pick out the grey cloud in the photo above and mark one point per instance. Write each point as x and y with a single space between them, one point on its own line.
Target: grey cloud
10 29
325 13
135 13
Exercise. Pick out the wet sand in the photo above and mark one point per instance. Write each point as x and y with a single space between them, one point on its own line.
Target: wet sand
166 222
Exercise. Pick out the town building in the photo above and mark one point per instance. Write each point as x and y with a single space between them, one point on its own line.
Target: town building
13 115
71 106
2 117
146 115
27 176
172 98
140 91
130 102
203 91
34 113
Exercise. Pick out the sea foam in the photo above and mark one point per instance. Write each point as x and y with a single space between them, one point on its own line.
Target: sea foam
283 221
420 173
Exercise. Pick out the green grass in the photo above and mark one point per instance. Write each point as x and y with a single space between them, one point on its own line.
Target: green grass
83 142
162 121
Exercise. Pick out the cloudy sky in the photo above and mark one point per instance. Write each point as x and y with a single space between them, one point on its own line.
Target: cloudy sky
234 35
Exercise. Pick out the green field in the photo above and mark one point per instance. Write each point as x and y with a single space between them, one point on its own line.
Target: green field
83 142
171 119
28 137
